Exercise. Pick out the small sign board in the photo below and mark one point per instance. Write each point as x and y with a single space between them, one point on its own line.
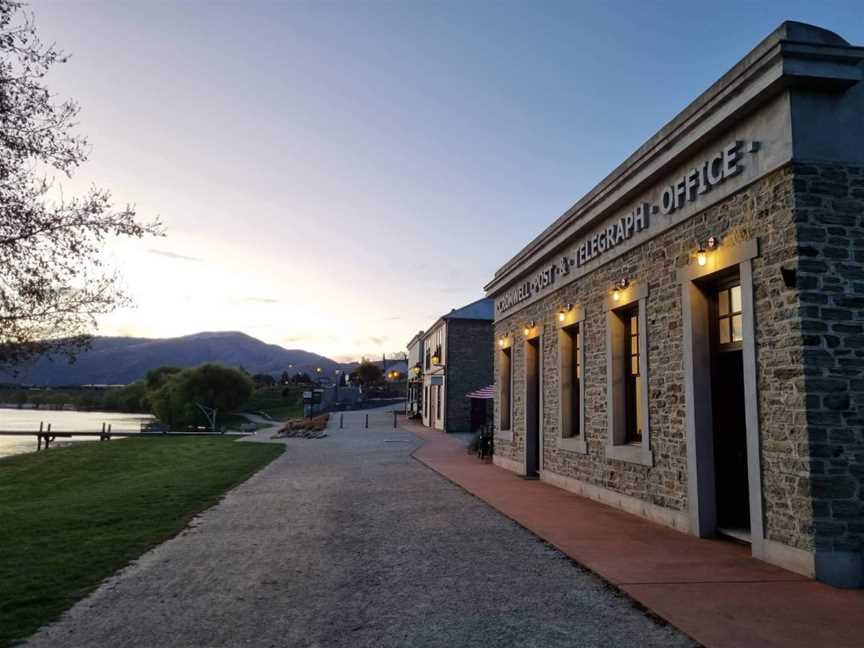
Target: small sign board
307 397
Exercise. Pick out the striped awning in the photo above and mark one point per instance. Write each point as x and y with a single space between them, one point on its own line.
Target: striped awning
484 393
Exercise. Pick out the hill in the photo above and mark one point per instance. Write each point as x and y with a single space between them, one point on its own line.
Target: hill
122 360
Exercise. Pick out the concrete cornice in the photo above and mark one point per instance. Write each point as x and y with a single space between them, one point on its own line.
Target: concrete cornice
417 338
795 54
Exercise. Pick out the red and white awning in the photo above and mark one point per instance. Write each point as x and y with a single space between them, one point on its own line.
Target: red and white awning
484 393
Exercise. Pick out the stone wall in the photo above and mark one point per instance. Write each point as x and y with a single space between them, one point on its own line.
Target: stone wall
829 203
469 367
763 210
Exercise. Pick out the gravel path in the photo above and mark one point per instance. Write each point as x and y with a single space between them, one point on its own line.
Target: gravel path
348 541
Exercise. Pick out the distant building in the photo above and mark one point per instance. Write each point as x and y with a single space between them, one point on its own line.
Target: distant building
414 402
395 370
457 359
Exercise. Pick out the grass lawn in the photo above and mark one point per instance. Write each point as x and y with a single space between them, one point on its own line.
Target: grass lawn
285 412
280 402
72 516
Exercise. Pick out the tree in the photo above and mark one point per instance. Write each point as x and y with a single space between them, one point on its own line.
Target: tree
53 277
176 402
155 378
263 380
369 374
301 379
285 378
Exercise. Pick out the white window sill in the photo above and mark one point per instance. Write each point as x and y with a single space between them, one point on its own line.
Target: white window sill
506 435
573 444
631 454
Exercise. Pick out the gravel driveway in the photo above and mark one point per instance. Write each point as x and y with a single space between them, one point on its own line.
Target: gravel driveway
348 541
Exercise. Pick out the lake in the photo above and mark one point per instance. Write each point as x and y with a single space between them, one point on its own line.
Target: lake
28 420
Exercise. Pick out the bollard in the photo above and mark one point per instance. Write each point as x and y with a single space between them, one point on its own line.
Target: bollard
394 419
102 436
48 437
341 421
39 437
108 438
367 421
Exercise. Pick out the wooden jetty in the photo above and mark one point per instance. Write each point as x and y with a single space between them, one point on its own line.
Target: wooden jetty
45 436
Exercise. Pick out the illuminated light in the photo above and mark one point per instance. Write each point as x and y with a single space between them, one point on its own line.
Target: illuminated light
526 331
561 316
616 294
701 257
501 342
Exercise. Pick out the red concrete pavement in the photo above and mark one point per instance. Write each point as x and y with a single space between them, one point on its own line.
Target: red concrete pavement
710 589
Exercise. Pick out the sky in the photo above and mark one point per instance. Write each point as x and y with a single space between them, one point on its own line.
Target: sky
334 176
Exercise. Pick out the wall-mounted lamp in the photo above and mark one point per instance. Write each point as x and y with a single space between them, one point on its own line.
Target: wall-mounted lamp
620 285
562 314
501 341
702 252
528 328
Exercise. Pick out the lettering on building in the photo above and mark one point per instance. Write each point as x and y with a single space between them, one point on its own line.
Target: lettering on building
724 164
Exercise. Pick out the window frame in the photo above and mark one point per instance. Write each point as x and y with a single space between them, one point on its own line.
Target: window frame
574 319
718 317
632 396
618 446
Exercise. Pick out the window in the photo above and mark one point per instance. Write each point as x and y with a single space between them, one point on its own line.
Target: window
506 384
571 379
633 389
627 376
729 319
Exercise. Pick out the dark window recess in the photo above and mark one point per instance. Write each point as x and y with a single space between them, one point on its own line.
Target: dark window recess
571 398
633 389
506 378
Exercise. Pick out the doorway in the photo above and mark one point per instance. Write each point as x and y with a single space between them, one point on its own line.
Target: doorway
433 405
532 408
729 422
724 484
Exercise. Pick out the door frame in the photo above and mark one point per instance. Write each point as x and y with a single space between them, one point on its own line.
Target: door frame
701 496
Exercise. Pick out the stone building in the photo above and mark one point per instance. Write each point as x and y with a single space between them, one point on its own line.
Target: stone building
686 342
457 359
414 395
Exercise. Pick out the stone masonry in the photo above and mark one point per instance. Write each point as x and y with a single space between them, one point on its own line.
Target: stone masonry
469 367
766 211
829 207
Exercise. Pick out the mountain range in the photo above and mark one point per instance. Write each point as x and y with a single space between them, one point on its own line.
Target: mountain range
122 360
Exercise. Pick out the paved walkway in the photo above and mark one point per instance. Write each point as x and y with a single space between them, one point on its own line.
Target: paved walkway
711 589
347 541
